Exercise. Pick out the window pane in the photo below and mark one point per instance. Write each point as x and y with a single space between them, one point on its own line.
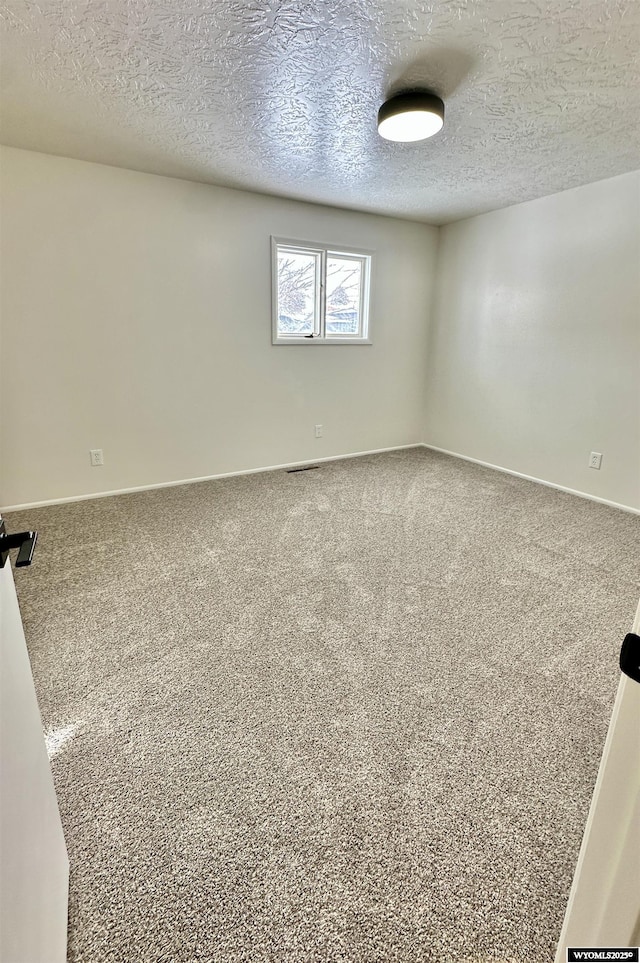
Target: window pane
297 298
344 282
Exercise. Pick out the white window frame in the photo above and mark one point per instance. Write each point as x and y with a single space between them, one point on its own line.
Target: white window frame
322 252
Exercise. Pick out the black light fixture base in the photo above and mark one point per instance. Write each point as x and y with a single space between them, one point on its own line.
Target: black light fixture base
411 102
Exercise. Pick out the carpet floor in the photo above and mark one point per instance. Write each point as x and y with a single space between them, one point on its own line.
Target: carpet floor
351 714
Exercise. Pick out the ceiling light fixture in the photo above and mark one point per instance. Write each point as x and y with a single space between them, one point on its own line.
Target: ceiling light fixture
415 115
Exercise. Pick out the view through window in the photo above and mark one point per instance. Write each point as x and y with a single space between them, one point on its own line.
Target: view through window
320 293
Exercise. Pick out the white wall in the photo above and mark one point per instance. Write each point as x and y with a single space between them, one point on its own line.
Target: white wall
534 356
136 319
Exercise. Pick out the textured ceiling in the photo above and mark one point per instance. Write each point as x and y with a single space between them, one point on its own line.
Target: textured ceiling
281 96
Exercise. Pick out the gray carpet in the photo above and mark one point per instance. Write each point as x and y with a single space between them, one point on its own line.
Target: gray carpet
352 714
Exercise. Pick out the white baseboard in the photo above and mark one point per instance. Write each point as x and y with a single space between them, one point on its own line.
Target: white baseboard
203 478
538 481
308 461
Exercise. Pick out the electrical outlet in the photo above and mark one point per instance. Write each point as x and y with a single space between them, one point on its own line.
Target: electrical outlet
595 459
97 458
318 431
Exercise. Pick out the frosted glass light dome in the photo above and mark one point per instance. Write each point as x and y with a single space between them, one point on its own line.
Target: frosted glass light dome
411 116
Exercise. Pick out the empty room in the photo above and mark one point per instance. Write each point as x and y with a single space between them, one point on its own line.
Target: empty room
319 480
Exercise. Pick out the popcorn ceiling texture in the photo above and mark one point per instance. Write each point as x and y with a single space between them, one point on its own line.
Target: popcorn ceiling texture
354 714
282 97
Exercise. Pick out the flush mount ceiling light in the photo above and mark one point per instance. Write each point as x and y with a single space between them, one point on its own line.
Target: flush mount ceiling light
412 116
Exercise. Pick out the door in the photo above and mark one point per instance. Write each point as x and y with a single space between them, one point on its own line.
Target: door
604 903
34 869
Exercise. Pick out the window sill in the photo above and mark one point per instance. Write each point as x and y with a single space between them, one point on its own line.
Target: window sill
315 341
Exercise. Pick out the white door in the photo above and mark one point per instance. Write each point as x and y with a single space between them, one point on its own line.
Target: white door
34 869
604 903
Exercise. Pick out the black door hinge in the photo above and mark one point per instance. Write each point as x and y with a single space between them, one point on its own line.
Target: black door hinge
25 542
630 656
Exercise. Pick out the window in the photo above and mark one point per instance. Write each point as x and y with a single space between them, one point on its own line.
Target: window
320 294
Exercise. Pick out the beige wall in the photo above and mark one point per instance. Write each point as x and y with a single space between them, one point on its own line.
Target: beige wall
534 357
136 319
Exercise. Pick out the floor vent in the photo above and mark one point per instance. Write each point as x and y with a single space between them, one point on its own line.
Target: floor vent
290 471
